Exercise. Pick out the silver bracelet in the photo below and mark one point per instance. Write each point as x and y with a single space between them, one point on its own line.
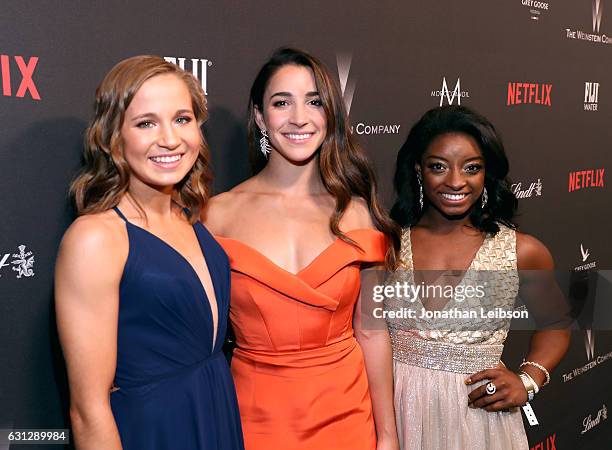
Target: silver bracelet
539 366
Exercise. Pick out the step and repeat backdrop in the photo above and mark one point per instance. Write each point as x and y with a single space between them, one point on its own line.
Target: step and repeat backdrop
541 71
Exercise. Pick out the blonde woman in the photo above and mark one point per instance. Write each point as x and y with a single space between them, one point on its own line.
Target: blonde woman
142 288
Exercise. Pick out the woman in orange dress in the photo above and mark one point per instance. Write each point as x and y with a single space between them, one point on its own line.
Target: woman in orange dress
297 234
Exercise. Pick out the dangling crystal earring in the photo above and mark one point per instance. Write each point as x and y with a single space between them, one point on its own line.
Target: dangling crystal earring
420 190
485 198
264 143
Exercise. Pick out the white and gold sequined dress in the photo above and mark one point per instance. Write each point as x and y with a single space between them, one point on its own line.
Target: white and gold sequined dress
432 360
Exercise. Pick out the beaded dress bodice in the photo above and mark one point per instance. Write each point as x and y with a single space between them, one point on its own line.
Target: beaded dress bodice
495 266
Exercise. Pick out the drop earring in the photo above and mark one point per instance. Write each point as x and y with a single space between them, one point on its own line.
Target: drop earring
264 144
485 198
420 183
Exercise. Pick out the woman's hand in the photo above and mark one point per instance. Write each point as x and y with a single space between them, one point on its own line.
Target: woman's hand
509 390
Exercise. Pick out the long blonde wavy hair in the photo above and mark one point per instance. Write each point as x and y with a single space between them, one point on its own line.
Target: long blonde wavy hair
105 176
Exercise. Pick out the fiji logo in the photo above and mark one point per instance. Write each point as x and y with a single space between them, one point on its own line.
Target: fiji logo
23 262
199 68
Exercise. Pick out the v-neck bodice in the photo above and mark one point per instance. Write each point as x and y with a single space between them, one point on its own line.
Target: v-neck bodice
493 270
407 255
160 287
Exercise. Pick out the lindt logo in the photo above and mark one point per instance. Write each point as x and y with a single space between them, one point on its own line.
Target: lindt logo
529 93
590 422
26 76
520 191
583 179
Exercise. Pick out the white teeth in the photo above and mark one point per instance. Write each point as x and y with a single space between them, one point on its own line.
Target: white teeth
454 196
299 137
165 159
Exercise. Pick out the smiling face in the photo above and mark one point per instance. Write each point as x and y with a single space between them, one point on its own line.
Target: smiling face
293 114
161 138
453 174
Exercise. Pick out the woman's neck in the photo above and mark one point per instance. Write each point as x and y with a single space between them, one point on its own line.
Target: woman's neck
435 221
282 176
156 202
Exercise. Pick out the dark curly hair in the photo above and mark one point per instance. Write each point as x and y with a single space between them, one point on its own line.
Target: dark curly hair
501 205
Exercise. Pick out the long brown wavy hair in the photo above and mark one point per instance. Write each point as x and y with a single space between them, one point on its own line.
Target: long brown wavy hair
344 167
105 176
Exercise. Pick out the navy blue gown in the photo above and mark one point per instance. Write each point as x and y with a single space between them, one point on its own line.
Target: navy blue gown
175 392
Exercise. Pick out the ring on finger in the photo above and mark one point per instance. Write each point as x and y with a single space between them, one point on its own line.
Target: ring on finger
490 389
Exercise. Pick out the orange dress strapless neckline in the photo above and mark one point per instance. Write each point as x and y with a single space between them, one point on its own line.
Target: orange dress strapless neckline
299 372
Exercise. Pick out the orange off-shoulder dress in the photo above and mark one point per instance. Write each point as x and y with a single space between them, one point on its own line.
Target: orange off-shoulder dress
299 372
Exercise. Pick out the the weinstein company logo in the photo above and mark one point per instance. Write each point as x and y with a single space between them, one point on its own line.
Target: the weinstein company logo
198 67
26 76
344 60
595 37
582 179
529 93
533 190
348 84
445 92
535 8
597 10
23 262
589 422
591 96
589 343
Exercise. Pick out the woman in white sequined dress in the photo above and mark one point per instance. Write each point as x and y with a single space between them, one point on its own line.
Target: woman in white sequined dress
456 209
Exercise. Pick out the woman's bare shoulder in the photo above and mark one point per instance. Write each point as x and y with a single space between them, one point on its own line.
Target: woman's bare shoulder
94 230
357 215
224 209
532 254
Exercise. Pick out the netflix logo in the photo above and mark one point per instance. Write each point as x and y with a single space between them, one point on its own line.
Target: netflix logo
529 93
586 179
546 444
15 71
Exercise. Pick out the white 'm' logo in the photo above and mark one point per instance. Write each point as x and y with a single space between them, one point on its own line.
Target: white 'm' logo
456 92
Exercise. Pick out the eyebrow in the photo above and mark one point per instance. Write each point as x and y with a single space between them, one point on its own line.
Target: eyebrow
474 158
152 114
288 94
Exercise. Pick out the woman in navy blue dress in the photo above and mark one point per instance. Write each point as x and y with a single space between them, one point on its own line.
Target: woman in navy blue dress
142 288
